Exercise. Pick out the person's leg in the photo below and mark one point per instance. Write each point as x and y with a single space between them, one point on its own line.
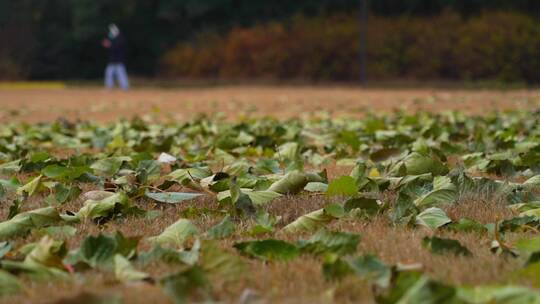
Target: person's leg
109 76
122 76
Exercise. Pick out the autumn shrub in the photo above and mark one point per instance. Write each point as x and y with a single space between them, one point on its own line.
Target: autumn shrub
493 45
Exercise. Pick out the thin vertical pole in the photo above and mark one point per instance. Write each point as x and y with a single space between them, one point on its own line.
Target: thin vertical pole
363 15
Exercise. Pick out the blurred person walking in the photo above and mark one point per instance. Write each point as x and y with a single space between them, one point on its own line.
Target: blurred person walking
116 68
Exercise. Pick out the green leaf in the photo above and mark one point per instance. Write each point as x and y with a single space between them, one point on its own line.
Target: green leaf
498 294
96 209
171 197
22 223
335 268
30 187
269 250
344 185
436 197
35 271
417 163
529 245
10 185
264 223
432 218
125 272
148 171
3 192
244 206
39 157
531 272
98 251
97 195
316 187
518 223
186 176
219 263
15 208
65 231
9 284
372 269
257 197
223 229
315 220
48 253
242 203
267 166
442 246
176 234
11 167
413 287
532 182
288 151
109 166
368 205
64 173
293 182
340 243
171 256
443 192
335 210
531 213
467 225
534 258
188 282
404 211
261 197
65 194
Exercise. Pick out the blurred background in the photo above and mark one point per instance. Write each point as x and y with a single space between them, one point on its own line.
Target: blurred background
285 40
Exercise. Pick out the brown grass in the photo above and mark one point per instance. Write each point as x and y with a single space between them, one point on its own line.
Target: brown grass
236 101
299 281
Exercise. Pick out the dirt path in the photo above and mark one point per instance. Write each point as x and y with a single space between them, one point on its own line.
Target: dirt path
281 102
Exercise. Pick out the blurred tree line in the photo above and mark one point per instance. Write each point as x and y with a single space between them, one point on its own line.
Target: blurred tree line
46 39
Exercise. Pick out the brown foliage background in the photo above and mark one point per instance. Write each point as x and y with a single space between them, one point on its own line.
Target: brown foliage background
501 46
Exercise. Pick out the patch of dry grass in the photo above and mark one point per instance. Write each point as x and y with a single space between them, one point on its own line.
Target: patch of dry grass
299 281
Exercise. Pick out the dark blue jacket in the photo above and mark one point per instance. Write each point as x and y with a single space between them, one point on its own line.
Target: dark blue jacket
117 50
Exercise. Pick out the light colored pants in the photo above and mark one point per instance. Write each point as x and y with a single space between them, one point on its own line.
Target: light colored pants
118 71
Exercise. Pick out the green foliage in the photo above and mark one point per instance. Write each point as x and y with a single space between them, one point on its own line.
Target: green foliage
188 282
293 182
171 197
432 218
441 246
344 185
269 250
316 219
176 234
125 272
95 209
9 284
223 229
100 251
253 192
22 223
371 268
324 241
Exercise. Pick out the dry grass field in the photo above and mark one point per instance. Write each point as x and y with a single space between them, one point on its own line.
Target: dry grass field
300 280
38 105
